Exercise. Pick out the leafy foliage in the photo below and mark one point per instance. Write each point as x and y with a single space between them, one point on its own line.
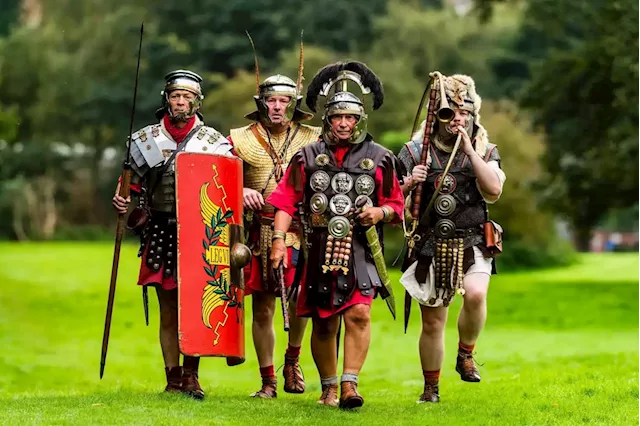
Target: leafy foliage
213 232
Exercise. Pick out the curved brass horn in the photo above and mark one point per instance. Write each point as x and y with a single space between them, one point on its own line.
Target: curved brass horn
445 114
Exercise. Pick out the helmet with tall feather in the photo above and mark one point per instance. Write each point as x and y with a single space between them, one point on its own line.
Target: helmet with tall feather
278 85
332 82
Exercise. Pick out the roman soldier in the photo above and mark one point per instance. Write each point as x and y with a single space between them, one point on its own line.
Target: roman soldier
344 188
266 146
153 150
453 243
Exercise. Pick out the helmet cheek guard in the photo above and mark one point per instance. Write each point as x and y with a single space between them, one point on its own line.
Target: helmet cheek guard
182 80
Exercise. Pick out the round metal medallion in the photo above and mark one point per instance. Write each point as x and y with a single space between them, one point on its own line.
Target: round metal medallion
339 227
366 164
322 160
363 198
319 203
449 184
445 228
340 204
320 181
342 183
365 185
445 205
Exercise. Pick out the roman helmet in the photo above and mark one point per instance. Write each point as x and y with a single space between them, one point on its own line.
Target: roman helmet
332 83
278 85
181 80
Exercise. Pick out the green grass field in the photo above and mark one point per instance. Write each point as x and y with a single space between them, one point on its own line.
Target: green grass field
559 347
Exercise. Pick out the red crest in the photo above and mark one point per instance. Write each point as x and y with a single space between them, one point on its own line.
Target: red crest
210 292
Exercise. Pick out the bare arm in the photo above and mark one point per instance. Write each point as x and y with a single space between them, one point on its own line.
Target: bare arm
281 224
488 180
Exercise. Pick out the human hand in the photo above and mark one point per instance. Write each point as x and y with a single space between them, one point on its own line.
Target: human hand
252 199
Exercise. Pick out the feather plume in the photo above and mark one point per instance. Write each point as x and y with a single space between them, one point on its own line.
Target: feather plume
327 73
368 78
300 65
255 60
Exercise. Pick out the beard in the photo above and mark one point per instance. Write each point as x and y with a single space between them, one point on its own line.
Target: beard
177 117
448 136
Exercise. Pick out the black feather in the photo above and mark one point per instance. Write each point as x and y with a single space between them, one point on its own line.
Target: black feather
324 75
369 79
330 72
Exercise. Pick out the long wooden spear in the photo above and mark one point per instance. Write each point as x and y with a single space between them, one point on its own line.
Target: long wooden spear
124 193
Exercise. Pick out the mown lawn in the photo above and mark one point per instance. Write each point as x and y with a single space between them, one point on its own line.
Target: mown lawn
560 347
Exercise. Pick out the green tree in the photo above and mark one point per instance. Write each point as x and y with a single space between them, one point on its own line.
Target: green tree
586 97
214 30
8 15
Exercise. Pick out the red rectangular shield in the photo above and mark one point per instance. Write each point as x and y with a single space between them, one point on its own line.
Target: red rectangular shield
210 290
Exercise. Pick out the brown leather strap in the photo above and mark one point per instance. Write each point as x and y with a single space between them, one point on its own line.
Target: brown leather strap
264 144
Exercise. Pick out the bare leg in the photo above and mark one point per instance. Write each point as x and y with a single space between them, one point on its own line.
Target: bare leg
474 308
432 350
432 337
297 326
264 336
357 337
168 301
323 345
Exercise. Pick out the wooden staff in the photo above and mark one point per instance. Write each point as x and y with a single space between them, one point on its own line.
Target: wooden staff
124 192
283 296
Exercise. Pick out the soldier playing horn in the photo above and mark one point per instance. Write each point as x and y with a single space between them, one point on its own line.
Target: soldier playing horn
152 153
452 252
266 147
345 169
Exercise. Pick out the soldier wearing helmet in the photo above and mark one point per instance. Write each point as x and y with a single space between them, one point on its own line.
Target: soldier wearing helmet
266 146
180 128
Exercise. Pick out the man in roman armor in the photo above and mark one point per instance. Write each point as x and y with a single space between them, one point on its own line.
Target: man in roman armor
180 128
451 253
266 147
321 185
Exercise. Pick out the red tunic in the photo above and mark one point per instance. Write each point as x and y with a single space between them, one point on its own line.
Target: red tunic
285 198
253 271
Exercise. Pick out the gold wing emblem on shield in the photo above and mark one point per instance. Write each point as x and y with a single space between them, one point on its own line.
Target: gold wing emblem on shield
218 291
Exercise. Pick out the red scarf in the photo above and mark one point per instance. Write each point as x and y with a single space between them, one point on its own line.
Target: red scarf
339 151
178 134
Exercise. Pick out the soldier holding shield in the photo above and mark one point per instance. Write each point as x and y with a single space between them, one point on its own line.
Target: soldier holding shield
153 150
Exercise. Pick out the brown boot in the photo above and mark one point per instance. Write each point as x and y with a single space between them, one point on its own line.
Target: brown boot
268 390
329 395
466 367
190 384
430 393
293 378
349 396
174 379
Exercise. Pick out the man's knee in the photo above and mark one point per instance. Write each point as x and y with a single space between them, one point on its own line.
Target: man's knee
358 316
325 329
475 295
263 309
433 321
